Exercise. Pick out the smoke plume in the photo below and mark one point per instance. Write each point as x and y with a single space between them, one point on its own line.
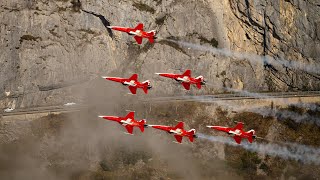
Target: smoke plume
254 58
296 152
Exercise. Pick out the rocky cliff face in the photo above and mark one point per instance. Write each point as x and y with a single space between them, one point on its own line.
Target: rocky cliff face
49 50
284 29
53 53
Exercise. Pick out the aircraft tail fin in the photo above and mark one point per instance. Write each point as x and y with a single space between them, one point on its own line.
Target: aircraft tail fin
145 89
146 82
192 131
142 124
251 132
139 27
151 40
146 86
152 32
200 78
191 138
199 85
201 81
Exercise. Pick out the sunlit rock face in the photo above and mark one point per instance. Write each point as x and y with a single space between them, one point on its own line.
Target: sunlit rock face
51 52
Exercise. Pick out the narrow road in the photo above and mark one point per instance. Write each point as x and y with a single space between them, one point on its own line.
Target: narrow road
200 98
236 96
44 109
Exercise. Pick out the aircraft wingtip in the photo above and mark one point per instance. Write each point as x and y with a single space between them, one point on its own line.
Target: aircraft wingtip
104 77
100 116
130 110
209 126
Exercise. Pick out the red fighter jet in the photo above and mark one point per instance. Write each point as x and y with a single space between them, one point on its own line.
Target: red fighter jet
132 83
185 79
128 121
178 131
137 32
237 131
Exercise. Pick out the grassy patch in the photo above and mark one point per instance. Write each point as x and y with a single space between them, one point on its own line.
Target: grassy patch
264 167
213 42
160 20
143 7
249 162
76 5
173 44
158 1
29 38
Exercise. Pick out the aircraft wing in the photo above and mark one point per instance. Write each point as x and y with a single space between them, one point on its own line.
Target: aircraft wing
130 115
138 39
186 85
178 138
129 128
239 125
237 139
133 89
134 77
187 73
139 27
180 125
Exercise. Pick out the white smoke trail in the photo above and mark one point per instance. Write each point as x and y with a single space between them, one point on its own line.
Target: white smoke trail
244 92
312 107
247 93
253 58
286 114
296 152
264 111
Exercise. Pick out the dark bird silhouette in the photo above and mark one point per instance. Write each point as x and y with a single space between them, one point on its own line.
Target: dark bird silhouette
104 21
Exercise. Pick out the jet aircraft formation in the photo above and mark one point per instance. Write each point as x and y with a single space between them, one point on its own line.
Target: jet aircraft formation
185 79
